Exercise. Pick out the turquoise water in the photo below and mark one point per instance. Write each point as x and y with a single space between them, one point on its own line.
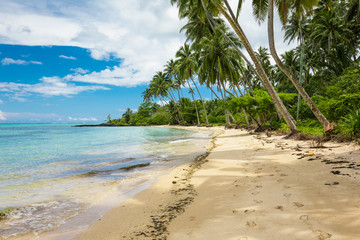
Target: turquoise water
52 172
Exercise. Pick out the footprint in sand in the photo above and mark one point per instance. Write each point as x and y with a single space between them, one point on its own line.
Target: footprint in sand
281 208
283 175
257 186
280 180
258 201
286 186
287 195
255 193
248 211
298 204
304 218
322 235
251 224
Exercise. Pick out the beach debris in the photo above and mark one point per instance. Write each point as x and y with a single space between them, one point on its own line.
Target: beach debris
184 195
298 204
311 153
173 182
322 235
331 184
248 211
281 208
251 224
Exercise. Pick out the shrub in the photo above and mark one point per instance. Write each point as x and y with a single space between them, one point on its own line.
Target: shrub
350 124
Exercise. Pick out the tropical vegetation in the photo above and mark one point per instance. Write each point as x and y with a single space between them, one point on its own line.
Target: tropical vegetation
313 87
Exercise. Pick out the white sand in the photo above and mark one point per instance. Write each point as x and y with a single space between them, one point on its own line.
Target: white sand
251 188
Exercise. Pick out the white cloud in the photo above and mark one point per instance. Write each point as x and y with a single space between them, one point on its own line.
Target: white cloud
29 116
41 117
162 103
143 33
89 119
1 101
79 70
9 61
67 57
48 86
116 76
2 116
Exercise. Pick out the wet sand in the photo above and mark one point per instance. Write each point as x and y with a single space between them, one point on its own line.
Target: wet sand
247 187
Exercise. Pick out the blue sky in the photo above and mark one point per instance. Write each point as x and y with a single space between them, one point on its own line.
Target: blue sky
78 61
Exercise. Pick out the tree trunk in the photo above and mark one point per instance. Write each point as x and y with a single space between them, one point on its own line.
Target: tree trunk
202 101
301 68
266 82
321 118
232 117
197 112
164 113
246 117
214 92
181 119
223 98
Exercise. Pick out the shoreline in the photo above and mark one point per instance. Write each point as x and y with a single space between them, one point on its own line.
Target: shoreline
248 187
181 194
184 151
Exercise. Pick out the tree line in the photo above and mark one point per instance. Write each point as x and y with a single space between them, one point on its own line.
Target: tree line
314 85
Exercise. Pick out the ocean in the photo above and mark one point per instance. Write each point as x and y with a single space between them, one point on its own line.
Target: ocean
53 173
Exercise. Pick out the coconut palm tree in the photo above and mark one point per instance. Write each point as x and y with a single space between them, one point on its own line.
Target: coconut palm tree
160 87
283 15
220 62
186 7
147 95
230 17
170 71
187 68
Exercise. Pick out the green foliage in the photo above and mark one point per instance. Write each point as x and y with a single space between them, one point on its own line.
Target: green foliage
336 108
127 115
310 126
346 83
350 124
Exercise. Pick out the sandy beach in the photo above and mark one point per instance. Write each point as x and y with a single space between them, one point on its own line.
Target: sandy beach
248 186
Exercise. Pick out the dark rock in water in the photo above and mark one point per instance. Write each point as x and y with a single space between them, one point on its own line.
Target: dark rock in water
135 166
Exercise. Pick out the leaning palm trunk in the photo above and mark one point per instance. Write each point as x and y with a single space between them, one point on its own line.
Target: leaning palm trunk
243 109
197 112
287 72
180 119
162 101
202 101
266 82
301 69
248 62
227 119
214 92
